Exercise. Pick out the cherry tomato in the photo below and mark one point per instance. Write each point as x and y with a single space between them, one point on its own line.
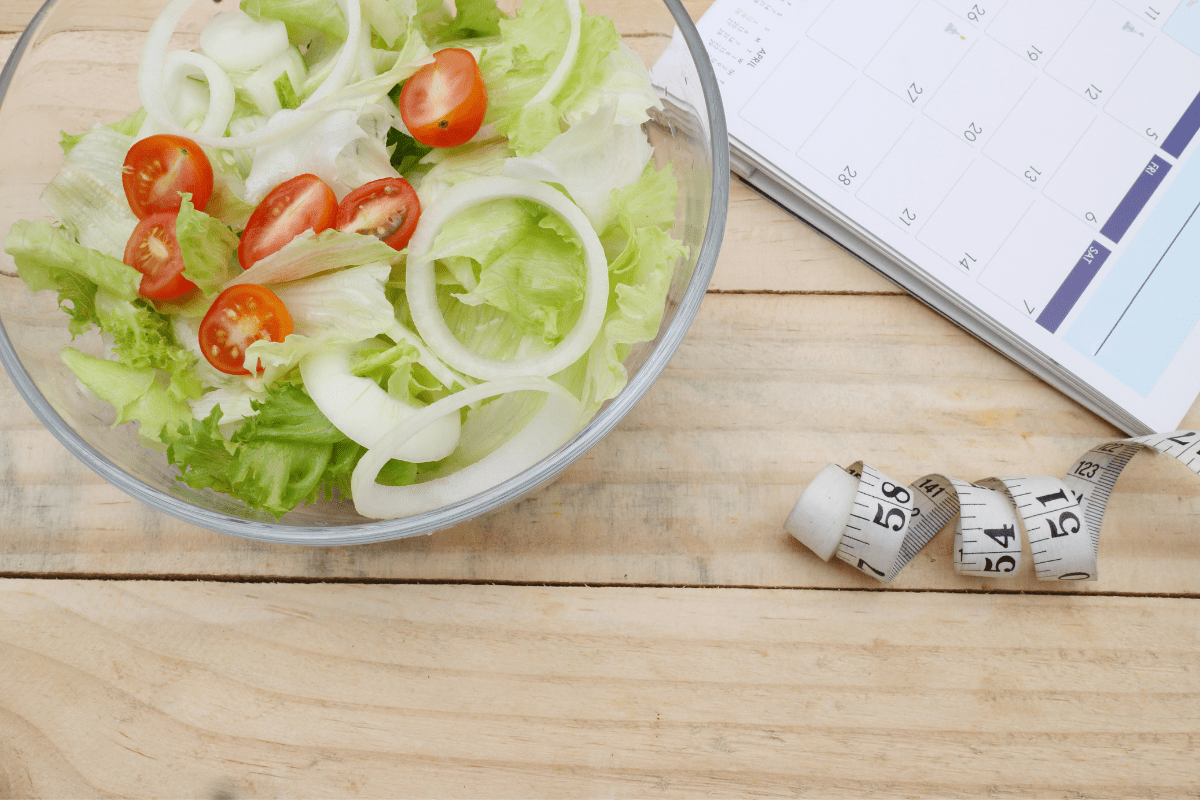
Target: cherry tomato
387 208
443 103
157 169
154 251
240 316
305 202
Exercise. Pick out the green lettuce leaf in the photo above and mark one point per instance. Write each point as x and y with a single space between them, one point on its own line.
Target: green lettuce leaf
47 259
142 339
532 43
529 267
137 394
204 456
640 278
288 453
208 247
301 16
397 370
288 414
406 152
474 19
277 476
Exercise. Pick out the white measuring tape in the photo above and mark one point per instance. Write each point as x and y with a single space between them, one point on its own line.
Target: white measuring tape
876 525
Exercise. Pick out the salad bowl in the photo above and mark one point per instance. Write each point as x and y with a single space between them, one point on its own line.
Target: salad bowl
76 66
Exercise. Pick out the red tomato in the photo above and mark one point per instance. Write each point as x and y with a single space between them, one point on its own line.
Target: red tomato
387 208
443 103
153 251
157 169
291 208
240 316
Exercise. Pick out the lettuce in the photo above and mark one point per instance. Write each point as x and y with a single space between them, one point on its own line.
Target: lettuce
142 339
47 259
301 16
279 458
340 307
87 195
529 267
474 19
640 277
397 370
531 45
138 395
208 247
606 72
590 160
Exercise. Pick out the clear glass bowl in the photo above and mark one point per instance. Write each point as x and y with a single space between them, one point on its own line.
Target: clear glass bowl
76 66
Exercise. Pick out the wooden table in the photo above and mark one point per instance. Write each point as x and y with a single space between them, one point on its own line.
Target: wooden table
643 626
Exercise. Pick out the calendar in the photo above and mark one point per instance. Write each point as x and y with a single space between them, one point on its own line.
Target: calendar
1027 167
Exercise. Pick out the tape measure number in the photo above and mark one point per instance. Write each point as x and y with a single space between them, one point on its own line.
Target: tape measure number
877 525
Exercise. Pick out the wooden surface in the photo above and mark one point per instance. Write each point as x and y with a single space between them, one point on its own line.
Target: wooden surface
642 627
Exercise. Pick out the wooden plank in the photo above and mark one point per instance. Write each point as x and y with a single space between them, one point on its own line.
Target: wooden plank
693 487
192 689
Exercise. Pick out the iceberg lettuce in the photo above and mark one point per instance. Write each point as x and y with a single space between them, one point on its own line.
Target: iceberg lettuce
87 196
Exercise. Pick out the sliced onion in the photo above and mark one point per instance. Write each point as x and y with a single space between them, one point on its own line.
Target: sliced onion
154 61
559 77
347 60
421 287
182 65
366 413
546 432
240 43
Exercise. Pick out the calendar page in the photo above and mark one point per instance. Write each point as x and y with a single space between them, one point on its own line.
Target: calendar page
1034 159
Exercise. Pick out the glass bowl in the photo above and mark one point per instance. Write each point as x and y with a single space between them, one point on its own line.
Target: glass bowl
76 66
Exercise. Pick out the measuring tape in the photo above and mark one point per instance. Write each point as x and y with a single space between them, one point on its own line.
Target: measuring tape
876 525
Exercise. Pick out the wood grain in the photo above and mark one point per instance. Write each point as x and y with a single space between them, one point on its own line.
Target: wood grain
203 690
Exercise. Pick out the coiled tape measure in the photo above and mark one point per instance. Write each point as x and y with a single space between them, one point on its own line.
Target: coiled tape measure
877 525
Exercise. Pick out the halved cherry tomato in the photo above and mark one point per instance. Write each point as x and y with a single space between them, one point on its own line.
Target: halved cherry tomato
387 208
443 103
240 316
287 211
154 251
157 169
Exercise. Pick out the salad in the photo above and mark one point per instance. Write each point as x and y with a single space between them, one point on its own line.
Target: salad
390 251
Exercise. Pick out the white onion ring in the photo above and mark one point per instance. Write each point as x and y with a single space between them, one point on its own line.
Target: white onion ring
421 287
561 72
181 65
550 428
153 65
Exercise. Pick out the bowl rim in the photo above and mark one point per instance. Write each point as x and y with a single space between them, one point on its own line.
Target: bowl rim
489 500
